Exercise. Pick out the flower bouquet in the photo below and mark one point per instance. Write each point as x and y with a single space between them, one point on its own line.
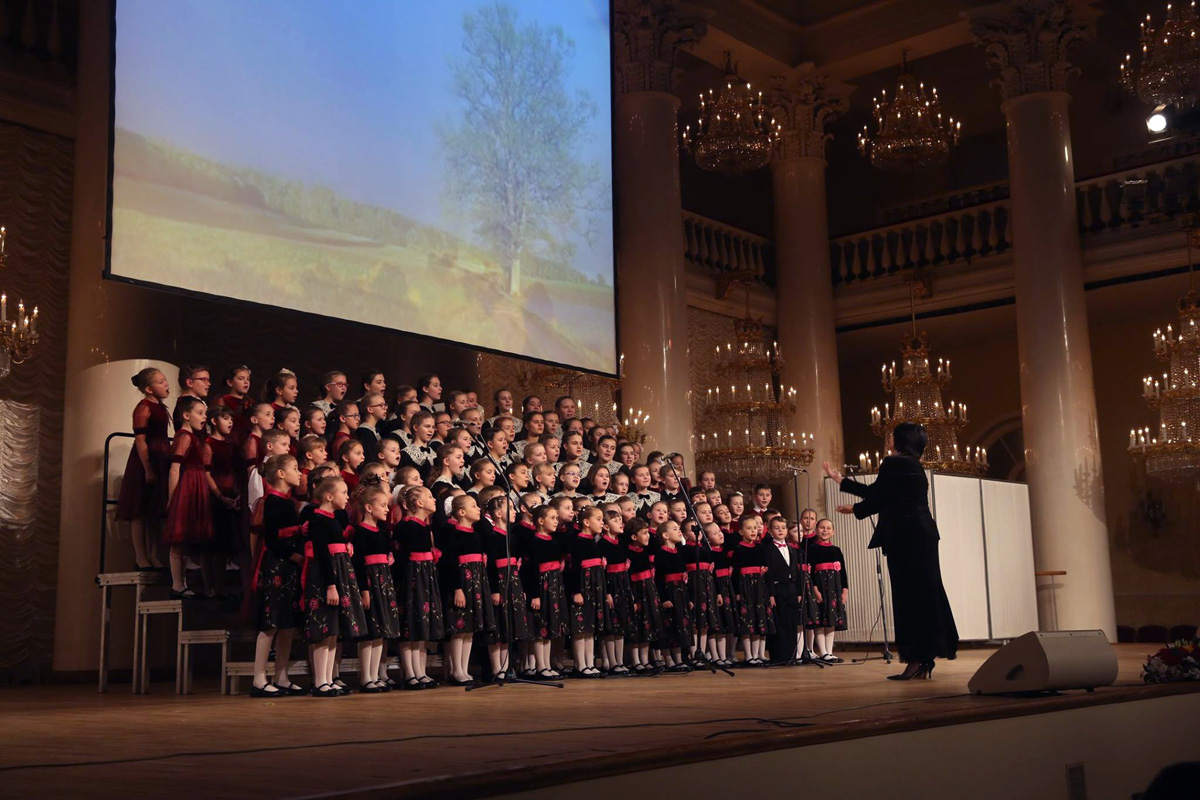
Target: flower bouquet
1179 661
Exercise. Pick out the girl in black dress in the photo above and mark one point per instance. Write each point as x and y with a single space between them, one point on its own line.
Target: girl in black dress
614 549
750 585
591 604
332 598
806 539
827 567
723 639
646 627
545 590
671 580
504 576
420 593
223 460
373 559
447 468
702 589
277 577
468 595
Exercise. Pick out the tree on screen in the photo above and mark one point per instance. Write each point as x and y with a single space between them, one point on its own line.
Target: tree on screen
511 156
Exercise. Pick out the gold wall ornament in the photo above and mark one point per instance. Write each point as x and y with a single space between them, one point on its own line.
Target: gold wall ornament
734 133
910 129
1167 71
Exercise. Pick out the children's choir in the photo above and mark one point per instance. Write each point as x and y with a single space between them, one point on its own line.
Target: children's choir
417 524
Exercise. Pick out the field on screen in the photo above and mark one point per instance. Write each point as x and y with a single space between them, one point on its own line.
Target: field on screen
479 211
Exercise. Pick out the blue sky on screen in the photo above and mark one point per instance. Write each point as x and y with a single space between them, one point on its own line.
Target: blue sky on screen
339 94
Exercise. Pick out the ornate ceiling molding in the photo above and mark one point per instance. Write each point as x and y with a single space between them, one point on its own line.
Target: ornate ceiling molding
1027 42
647 36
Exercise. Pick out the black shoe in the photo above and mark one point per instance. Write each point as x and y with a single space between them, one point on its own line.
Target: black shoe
326 690
291 690
264 691
922 672
186 594
456 682
412 685
429 683
371 688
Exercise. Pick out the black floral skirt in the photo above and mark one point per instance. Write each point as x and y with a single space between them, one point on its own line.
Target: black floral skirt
383 612
646 625
343 621
622 611
702 589
276 593
550 621
830 611
478 615
754 609
678 619
421 606
727 610
810 613
513 592
592 617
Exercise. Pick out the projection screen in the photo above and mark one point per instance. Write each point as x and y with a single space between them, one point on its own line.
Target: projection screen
439 168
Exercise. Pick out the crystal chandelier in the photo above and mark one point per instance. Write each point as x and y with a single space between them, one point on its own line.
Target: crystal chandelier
1168 72
593 394
733 133
909 130
745 437
918 394
18 336
1172 454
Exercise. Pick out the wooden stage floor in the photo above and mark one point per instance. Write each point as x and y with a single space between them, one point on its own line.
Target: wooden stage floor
70 741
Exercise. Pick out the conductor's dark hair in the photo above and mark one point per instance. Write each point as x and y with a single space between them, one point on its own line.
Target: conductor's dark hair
910 439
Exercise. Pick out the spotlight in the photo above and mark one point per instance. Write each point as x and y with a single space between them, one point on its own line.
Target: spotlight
1158 121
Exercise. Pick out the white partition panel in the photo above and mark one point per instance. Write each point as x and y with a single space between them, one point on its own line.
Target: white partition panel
959 514
1008 539
986 555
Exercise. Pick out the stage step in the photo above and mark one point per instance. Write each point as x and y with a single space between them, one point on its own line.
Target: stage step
139 580
183 679
146 609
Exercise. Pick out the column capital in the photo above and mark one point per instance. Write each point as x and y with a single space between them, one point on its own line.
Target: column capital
646 36
1027 42
802 103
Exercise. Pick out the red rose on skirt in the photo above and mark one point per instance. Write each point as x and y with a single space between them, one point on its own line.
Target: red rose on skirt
277 581
345 601
460 623
314 604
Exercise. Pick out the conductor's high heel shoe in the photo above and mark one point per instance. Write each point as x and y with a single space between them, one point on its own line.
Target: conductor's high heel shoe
922 671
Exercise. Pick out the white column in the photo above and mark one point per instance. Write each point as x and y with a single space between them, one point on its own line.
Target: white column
804 288
651 287
1028 43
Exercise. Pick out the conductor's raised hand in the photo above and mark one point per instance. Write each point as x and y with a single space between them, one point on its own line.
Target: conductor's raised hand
845 509
832 471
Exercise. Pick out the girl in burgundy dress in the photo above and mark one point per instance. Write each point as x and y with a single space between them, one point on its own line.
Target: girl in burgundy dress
420 592
468 593
194 381
349 459
288 421
189 515
224 462
332 600
277 577
373 560
281 390
143 497
237 399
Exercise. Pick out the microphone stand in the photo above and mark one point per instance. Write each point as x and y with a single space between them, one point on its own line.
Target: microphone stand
886 654
802 658
514 675
698 656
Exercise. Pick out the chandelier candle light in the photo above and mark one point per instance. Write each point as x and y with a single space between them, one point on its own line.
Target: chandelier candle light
1174 453
1168 72
745 436
910 130
18 336
733 135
